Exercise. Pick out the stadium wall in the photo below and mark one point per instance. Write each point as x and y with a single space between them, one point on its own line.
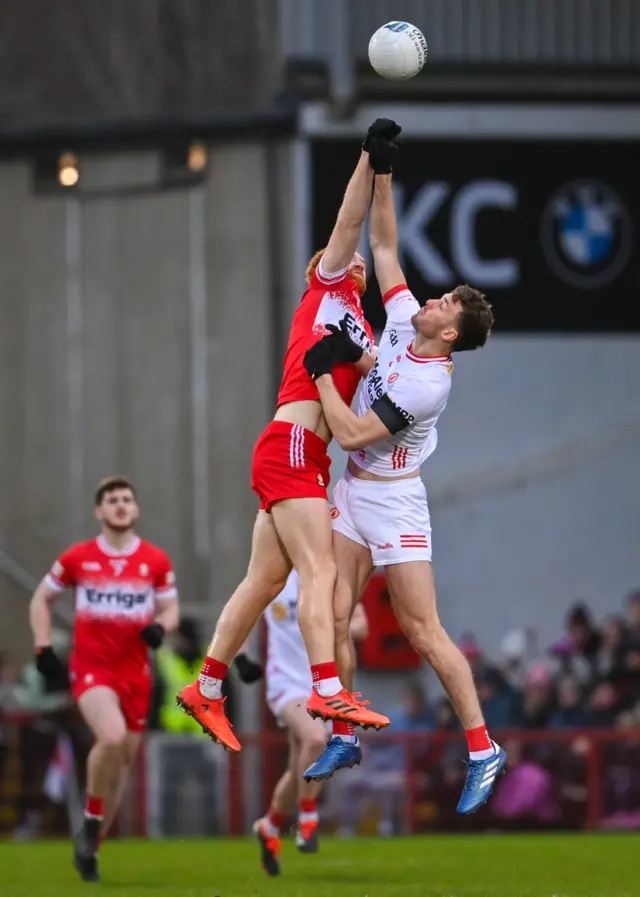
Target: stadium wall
136 339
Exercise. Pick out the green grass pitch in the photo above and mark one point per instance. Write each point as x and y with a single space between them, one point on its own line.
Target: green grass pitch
482 866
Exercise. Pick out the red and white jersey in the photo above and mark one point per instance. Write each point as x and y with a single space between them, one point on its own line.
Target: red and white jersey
116 594
286 654
409 391
328 299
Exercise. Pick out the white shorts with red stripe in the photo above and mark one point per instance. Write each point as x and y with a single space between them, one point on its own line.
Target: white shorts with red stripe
391 518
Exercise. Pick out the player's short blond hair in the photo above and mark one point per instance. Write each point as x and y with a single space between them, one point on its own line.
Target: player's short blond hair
314 261
110 484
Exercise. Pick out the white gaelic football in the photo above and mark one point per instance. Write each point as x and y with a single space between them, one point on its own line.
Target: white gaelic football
398 50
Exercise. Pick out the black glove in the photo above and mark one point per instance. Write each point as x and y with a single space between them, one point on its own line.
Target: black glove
319 360
51 668
343 348
382 127
382 155
334 348
248 670
153 635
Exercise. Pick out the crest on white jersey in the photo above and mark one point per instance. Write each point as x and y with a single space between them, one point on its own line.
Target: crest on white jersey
118 565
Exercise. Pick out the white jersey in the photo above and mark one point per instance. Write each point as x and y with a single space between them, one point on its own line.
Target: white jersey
409 394
286 653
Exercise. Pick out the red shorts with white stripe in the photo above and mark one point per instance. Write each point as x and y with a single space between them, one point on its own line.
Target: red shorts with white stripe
289 461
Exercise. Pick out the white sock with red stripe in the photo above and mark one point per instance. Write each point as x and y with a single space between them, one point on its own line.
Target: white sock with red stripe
325 679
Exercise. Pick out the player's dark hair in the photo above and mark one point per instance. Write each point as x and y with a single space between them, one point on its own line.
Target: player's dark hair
475 320
110 484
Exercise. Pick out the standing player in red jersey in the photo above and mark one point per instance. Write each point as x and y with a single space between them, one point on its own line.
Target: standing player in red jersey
126 599
290 475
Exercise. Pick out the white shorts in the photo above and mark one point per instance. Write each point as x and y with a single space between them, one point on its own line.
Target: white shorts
282 690
390 518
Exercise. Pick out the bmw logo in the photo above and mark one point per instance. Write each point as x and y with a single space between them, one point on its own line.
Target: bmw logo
586 234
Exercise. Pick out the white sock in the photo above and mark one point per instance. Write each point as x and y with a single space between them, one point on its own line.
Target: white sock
328 687
484 755
209 687
348 739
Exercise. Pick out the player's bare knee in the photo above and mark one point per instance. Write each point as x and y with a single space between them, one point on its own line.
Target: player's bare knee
314 742
114 741
428 641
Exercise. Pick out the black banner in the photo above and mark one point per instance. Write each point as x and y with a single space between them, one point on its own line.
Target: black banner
548 229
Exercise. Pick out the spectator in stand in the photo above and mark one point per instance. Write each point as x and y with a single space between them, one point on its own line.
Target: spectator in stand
610 660
570 710
538 699
604 706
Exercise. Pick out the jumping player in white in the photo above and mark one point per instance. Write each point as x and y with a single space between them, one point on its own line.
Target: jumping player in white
382 514
288 681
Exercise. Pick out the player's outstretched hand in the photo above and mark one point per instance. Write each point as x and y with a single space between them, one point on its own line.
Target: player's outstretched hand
382 154
382 127
51 668
248 670
153 635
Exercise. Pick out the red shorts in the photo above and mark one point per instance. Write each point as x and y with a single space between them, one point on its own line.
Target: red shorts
289 462
134 694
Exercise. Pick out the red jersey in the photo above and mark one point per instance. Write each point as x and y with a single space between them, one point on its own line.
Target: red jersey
328 299
115 596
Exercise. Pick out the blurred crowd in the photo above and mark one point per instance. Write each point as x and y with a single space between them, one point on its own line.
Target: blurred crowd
588 678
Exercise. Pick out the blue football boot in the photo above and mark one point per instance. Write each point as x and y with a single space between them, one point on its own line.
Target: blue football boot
338 754
480 780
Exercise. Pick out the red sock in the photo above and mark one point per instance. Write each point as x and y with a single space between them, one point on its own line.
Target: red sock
213 669
276 819
308 805
94 807
340 728
478 740
325 678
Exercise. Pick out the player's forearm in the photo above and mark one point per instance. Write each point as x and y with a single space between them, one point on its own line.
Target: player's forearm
40 619
357 197
168 615
383 228
343 423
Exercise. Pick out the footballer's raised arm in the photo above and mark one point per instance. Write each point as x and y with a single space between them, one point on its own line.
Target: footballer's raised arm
383 235
346 232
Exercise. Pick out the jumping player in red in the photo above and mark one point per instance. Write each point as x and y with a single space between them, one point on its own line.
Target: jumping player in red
126 599
290 475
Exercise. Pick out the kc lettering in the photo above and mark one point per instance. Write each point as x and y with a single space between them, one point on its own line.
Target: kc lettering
465 205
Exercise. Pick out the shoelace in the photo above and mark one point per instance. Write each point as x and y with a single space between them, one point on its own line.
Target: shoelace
475 773
356 697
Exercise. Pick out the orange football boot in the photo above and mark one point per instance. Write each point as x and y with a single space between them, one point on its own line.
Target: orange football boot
347 708
307 837
209 712
269 849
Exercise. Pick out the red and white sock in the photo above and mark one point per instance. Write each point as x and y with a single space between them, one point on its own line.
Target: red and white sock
273 823
94 808
211 677
325 679
480 745
307 813
344 731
